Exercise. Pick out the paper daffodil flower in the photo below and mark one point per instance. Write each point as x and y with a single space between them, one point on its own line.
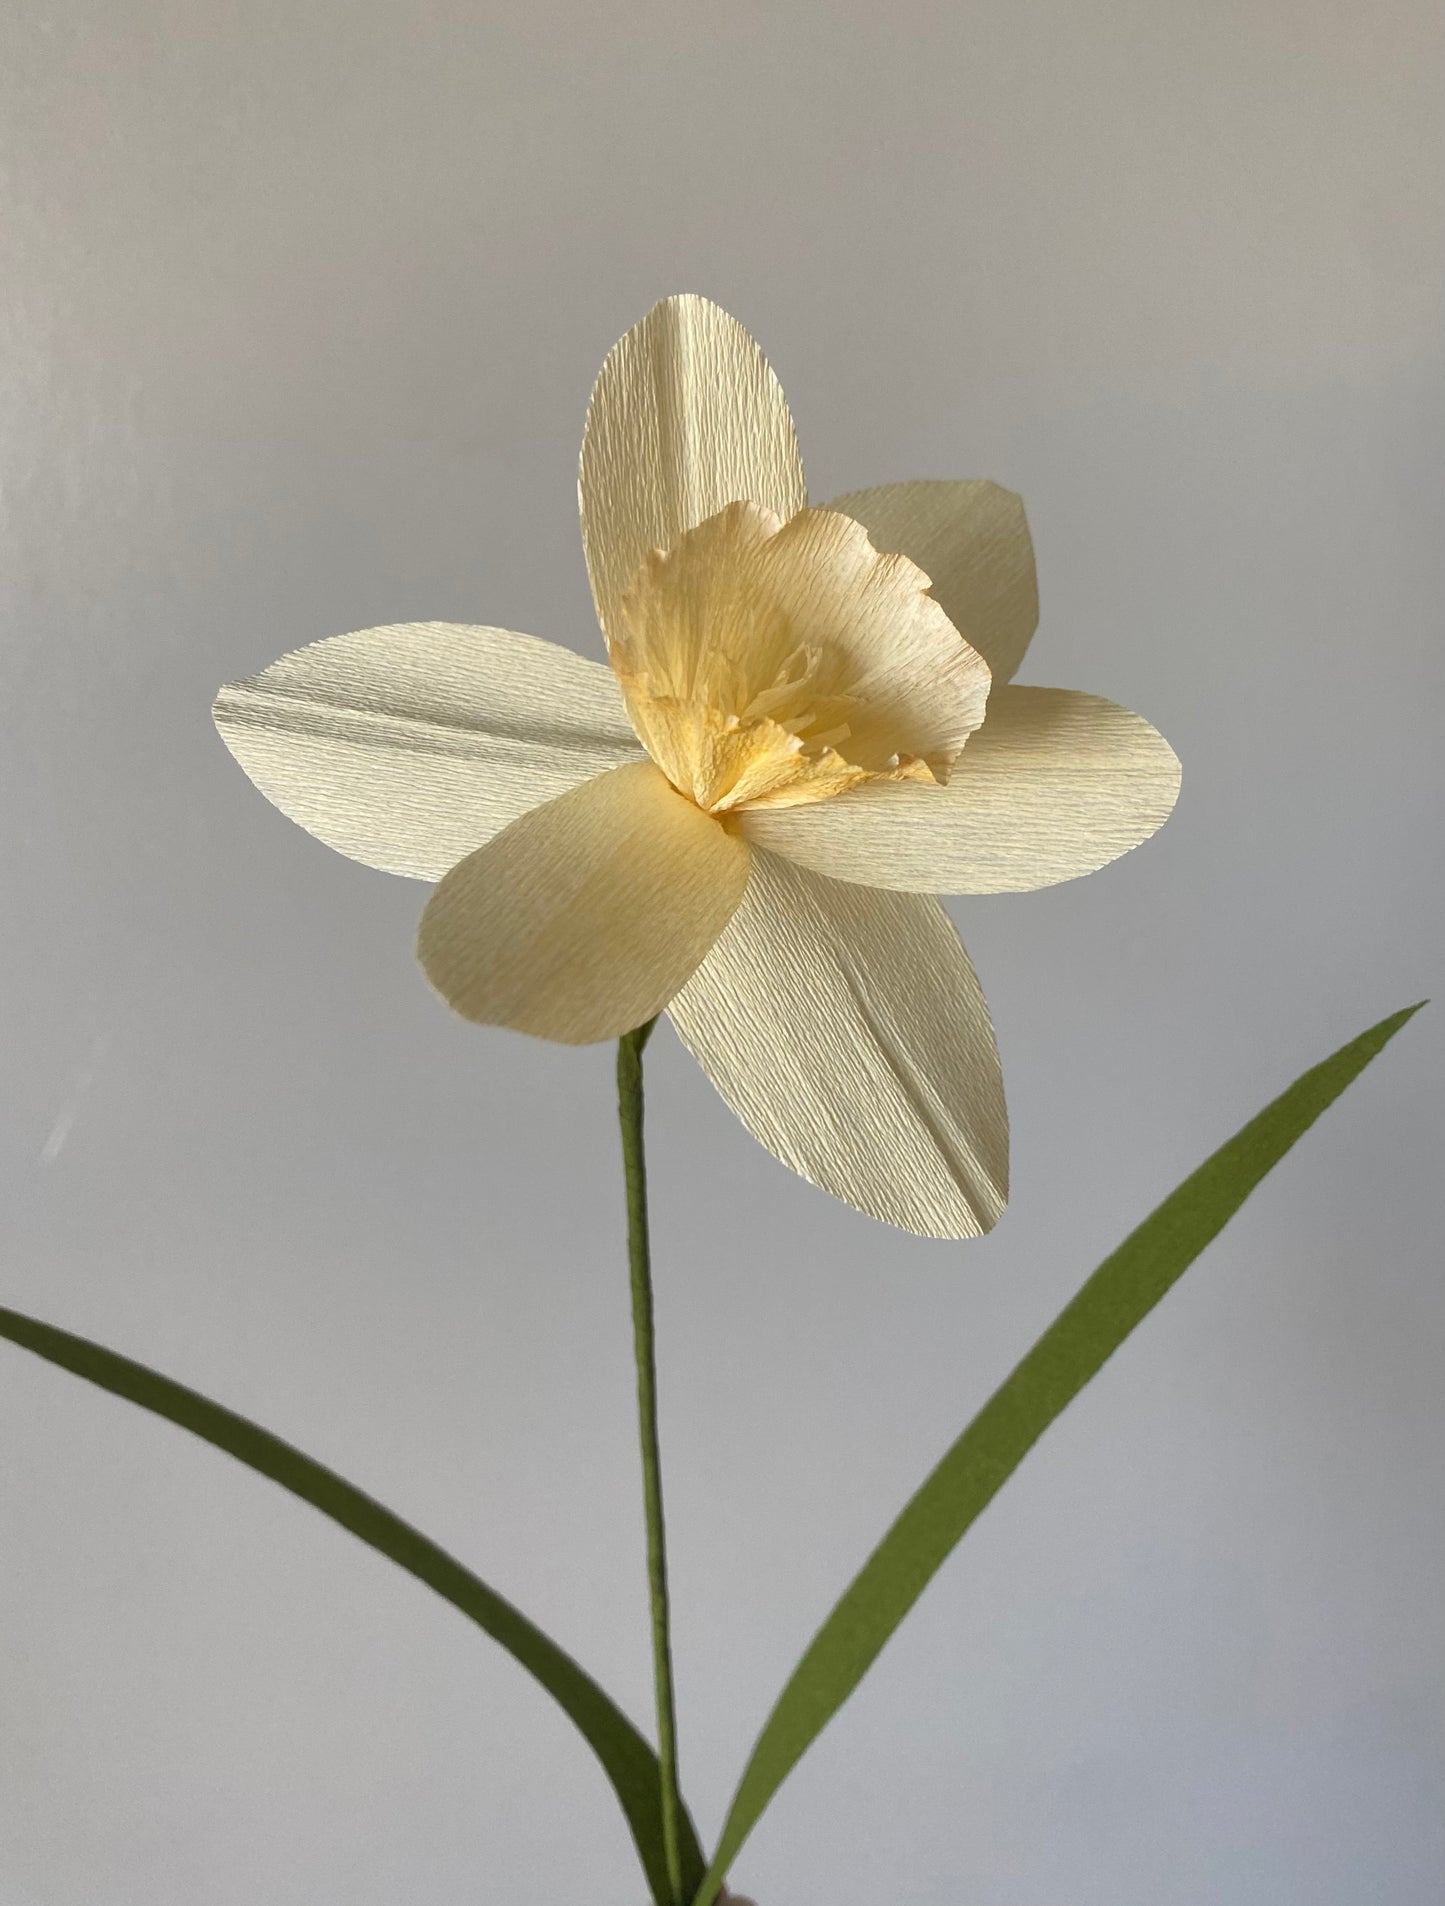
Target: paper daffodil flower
807 732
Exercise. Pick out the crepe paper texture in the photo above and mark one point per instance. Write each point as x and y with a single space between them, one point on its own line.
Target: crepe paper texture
1118 1296
807 730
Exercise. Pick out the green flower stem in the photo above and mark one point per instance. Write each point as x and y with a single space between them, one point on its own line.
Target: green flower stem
634 1166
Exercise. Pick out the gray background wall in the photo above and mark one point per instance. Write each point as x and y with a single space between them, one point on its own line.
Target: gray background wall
301 308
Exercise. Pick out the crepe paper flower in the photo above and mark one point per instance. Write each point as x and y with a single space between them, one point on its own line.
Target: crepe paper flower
808 731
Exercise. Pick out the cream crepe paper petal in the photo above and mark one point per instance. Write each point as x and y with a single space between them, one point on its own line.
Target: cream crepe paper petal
582 919
685 417
407 747
1055 784
847 1030
973 540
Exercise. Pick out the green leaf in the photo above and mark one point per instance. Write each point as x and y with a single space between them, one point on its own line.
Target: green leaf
1119 1295
626 1758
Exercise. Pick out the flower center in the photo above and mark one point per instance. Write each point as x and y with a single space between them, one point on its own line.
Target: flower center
770 664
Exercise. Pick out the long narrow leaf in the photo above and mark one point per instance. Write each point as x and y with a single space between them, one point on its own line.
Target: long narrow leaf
1123 1291
626 1758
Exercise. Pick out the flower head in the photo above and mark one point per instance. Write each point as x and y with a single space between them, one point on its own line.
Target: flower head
808 730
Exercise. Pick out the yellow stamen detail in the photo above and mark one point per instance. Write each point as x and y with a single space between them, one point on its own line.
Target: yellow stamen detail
755 660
